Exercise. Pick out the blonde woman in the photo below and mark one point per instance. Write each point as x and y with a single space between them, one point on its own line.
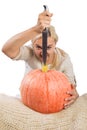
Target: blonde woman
58 59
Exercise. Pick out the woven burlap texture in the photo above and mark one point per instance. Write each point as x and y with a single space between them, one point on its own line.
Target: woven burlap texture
16 116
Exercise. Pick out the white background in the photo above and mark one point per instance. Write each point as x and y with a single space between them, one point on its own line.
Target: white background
70 20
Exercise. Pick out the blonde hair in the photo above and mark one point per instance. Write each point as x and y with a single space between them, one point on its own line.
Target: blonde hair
51 32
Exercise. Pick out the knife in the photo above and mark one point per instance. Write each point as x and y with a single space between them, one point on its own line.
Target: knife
44 45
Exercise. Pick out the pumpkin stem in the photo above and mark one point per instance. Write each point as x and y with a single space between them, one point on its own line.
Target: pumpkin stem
44 68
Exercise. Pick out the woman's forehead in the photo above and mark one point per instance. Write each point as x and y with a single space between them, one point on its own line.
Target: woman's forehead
49 41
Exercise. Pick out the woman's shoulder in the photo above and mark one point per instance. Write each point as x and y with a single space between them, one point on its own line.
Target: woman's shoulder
62 52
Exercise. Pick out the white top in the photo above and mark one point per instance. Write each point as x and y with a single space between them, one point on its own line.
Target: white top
31 62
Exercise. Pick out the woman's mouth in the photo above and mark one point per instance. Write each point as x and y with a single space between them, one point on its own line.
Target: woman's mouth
41 57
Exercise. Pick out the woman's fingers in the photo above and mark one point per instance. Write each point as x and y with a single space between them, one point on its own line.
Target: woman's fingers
72 98
44 20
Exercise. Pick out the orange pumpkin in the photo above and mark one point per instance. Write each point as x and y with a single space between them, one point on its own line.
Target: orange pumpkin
44 91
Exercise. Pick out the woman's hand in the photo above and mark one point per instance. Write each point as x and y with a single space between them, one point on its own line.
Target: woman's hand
73 96
44 20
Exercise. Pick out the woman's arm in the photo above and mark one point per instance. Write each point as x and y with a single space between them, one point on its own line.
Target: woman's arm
71 76
67 69
12 46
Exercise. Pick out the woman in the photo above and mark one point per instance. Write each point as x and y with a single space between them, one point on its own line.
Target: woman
32 55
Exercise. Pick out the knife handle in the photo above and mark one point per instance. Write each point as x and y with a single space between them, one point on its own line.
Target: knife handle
45 7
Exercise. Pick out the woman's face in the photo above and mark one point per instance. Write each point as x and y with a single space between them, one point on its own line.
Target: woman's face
37 47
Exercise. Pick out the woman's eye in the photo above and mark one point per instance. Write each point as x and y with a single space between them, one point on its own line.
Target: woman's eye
38 47
48 48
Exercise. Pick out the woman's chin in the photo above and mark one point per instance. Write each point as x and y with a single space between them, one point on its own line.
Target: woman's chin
41 60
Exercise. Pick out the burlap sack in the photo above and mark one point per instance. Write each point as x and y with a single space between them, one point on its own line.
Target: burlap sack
16 116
